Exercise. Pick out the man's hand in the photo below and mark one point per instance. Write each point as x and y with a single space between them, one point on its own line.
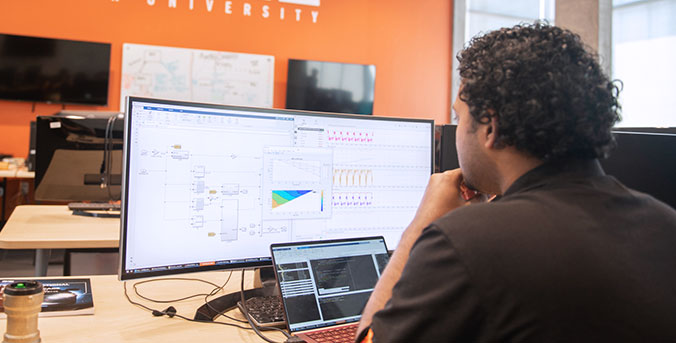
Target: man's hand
441 196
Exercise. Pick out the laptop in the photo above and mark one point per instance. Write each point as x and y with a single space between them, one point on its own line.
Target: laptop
325 285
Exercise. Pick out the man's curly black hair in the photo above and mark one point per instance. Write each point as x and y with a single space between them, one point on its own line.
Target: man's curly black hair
549 94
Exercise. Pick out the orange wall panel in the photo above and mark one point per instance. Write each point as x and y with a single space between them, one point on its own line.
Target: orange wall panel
408 41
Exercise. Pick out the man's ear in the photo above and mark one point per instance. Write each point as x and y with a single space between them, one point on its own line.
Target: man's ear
491 132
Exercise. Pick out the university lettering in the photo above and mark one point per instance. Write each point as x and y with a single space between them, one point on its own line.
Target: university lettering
247 9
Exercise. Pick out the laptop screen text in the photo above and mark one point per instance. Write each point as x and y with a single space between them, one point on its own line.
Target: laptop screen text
323 284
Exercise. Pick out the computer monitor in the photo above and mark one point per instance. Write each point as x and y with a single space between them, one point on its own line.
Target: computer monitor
448 154
330 86
645 160
210 187
70 159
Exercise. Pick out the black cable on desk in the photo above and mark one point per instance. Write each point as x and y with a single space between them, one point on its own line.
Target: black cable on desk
220 312
171 312
174 279
216 289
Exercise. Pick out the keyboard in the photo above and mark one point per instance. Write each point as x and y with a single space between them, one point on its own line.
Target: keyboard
93 206
341 334
266 310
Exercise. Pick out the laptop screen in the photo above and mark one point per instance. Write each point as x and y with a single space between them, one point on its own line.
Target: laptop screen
325 283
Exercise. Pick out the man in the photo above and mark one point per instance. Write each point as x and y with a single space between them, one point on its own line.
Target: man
566 253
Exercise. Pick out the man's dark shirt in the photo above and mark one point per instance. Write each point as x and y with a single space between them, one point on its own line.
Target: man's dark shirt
568 254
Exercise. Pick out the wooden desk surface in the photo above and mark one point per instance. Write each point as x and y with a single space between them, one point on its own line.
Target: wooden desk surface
116 320
18 173
54 227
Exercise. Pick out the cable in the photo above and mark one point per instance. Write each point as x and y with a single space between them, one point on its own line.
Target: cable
108 145
171 312
102 170
221 312
173 279
216 289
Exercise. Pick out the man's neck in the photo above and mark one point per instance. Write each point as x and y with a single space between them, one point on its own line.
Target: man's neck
513 164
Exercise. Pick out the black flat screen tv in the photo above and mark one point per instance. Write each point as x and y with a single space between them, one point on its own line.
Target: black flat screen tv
330 87
54 70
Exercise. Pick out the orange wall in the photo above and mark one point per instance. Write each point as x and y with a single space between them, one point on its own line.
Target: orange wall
408 41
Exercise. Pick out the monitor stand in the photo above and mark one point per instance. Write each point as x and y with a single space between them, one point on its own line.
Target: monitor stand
265 284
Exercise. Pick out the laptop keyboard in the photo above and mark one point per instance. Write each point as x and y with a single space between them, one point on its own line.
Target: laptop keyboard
342 334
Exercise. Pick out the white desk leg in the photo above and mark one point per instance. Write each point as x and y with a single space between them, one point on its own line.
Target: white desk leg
42 261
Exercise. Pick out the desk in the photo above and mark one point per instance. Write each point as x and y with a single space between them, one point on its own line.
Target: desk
46 227
116 320
19 173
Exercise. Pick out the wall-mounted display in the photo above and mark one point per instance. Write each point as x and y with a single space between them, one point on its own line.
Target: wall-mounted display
330 87
54 70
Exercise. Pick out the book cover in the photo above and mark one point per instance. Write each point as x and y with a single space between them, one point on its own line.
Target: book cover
63 297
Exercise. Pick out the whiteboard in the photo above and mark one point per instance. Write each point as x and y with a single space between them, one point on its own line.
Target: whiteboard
196 75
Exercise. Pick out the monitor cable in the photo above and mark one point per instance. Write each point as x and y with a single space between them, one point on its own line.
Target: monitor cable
107 164
171 310
213 292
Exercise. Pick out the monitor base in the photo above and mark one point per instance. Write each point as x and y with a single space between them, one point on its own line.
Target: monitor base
265 283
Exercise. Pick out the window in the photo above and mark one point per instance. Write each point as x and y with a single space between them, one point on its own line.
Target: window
473 17
644 51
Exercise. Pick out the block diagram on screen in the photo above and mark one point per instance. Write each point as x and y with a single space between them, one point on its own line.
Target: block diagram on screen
212 191
297 183
207 193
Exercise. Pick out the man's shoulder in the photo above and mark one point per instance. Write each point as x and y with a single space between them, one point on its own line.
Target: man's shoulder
492 215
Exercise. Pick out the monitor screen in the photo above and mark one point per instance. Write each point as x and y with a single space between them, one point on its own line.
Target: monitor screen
212 186
54 70
645 160
69 158
330 87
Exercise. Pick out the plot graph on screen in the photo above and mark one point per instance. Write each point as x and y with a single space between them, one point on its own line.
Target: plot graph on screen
296 171
280 198
297 183
296 203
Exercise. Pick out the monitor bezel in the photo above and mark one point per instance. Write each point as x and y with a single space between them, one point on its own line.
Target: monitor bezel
123 274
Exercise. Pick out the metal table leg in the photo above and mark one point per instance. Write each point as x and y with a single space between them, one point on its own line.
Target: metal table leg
42 261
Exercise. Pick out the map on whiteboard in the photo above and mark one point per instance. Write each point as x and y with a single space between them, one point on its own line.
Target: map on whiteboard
196 75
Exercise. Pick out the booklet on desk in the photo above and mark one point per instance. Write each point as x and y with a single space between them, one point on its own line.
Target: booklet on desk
63 297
